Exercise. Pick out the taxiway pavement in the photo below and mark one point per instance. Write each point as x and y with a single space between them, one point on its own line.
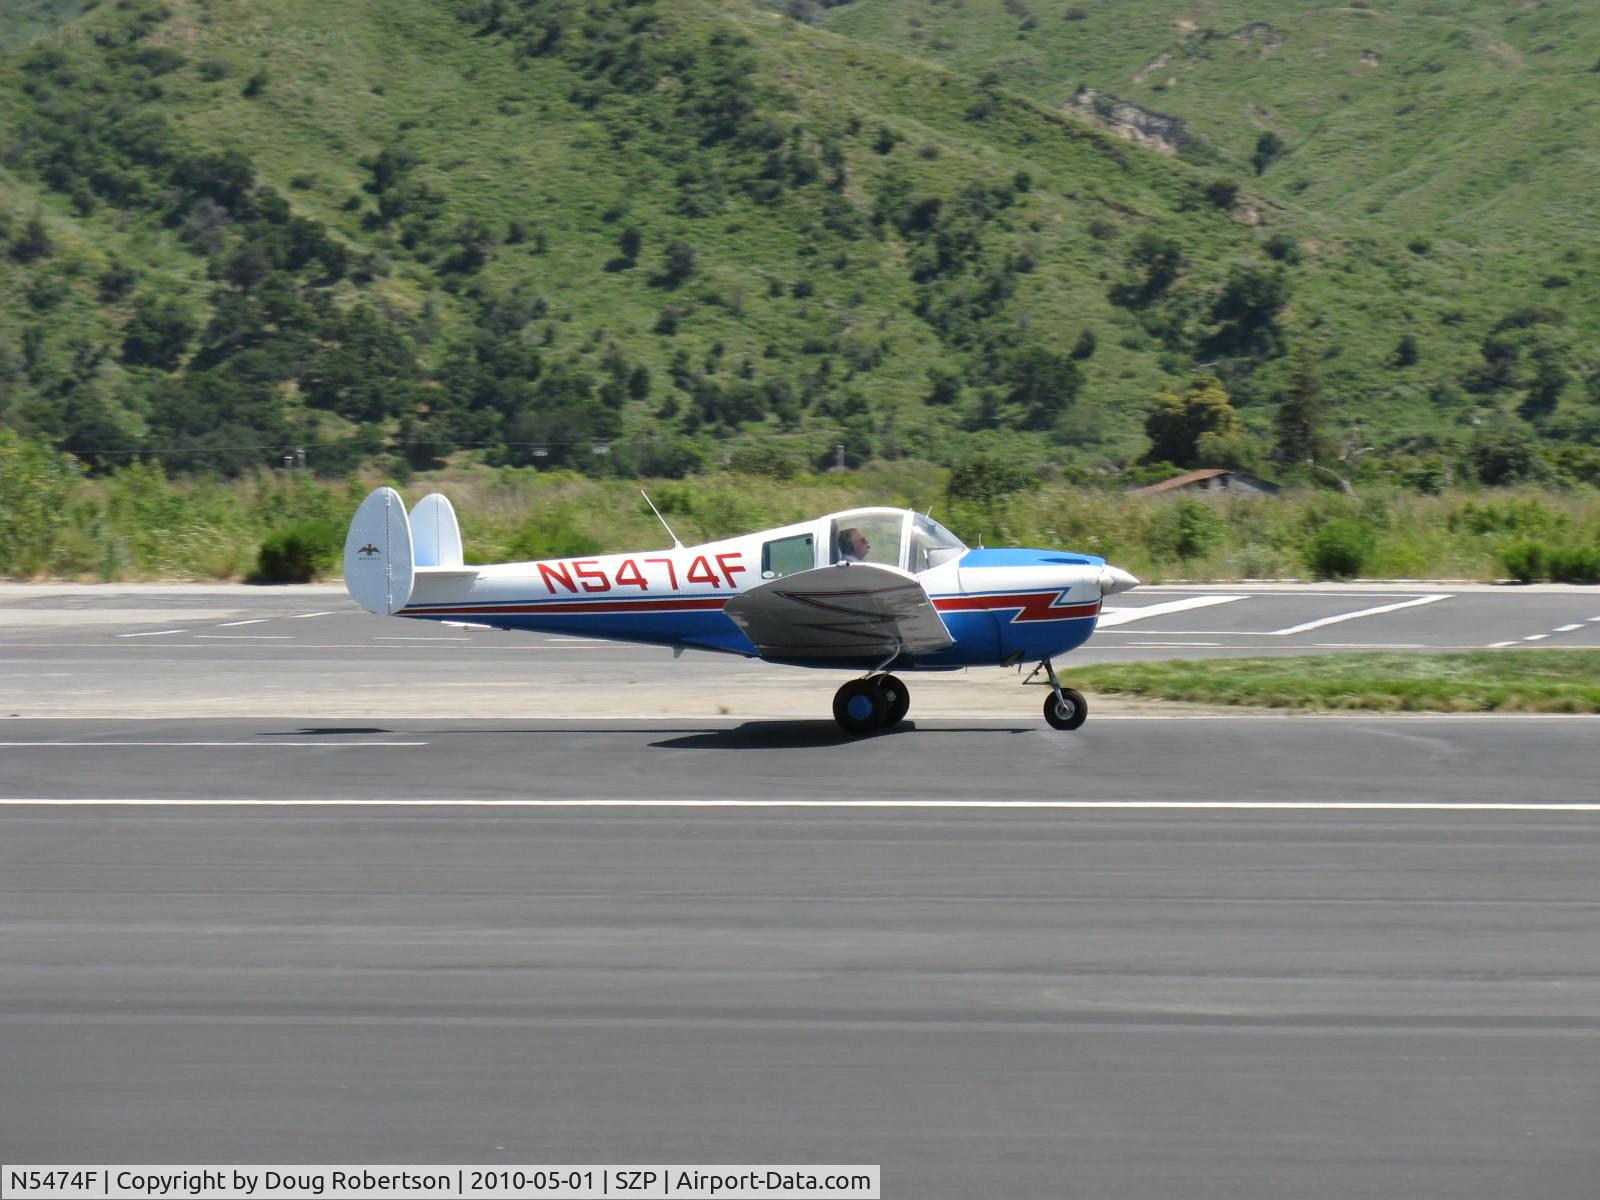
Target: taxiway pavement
1242 958
175 651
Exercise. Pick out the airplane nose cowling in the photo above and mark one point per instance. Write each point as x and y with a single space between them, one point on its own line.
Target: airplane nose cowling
1114 580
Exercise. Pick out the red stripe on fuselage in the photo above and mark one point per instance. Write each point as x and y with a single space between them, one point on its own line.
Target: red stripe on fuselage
1031 606
689 604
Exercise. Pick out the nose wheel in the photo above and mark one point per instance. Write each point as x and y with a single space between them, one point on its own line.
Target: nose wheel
865 706
1064 708
1066 711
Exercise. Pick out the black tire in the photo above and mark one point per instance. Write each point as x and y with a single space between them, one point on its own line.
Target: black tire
1077 709
860 707
896 696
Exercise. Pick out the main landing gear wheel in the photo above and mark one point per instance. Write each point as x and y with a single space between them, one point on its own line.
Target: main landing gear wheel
896 696
860 706
1068 712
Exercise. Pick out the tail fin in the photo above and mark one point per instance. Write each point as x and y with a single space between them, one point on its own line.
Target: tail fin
378 566
435 532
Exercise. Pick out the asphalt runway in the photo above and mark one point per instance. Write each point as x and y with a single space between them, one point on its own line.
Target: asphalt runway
218 650
1243 957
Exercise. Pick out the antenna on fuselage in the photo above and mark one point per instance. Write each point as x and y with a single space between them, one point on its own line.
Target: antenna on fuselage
676 544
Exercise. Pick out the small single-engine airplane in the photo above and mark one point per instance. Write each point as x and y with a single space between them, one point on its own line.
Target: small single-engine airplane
863 590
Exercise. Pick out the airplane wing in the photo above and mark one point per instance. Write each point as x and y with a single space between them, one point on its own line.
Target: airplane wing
846 611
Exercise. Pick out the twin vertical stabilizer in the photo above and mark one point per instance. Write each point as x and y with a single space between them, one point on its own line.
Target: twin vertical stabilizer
385 548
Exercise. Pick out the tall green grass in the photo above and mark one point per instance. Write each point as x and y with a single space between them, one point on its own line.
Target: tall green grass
139 523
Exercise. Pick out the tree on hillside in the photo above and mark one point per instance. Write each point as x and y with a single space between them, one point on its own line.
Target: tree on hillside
1302 415
34 242
1179 420
677 264
1156 261
1042 384
1268 147
158 334
1246 312
1529 349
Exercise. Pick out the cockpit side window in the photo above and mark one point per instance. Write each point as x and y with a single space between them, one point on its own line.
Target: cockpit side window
867 537
787 556
932 545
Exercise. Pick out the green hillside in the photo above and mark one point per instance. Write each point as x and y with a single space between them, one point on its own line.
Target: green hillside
25 21
1472 120
690 231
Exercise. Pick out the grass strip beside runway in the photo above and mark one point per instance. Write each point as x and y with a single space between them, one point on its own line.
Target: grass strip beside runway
1528 681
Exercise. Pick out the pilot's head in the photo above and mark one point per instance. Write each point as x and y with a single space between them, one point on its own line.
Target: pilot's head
853 544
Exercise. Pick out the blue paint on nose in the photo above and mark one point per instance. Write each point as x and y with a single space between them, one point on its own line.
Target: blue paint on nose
1020 557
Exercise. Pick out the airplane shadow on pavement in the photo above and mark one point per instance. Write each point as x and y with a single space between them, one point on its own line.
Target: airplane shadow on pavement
799 735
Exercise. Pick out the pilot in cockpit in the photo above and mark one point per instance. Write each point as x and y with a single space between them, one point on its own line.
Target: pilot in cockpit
853 545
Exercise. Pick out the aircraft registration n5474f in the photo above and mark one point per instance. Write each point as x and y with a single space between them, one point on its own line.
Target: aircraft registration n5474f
864 590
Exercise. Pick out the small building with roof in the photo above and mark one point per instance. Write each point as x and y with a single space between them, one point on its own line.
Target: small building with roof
1212 479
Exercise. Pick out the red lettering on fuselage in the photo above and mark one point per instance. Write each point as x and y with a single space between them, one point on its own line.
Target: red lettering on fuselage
593 580
728 569
553 572
672 572
630 574
700 572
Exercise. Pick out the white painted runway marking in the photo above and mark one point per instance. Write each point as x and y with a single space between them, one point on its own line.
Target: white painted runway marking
152 633
1369 645
252 621
303 616
245 637
954 805
1536 637
1307 626
1500 645
418 639
209 745
1568 628
1141 645
1110 617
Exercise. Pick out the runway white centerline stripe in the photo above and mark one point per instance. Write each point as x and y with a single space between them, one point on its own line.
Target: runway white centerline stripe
1568 628
251 621
303 616
1360 612
953 805
1110 617
208 745
1500 645
153 633
1536 637
246 637
385 638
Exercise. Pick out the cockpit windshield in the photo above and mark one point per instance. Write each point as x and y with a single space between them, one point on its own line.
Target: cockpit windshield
932 545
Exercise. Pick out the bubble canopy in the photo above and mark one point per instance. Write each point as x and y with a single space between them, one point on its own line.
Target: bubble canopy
891 537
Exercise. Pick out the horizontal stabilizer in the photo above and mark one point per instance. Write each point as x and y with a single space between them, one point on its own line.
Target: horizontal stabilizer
846 611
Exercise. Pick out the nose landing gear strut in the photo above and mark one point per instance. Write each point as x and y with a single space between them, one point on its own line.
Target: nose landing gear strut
1064 708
